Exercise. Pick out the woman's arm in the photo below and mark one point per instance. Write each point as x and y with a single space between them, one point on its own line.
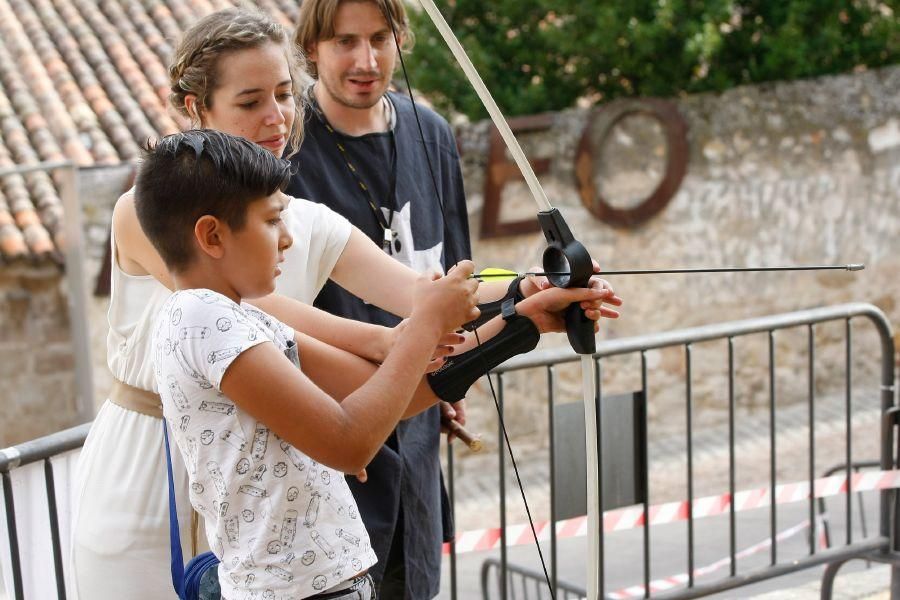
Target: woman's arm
134 251
367 272
365 340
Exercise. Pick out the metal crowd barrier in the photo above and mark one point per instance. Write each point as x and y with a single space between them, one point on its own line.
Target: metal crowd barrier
522 582
42 450
880 547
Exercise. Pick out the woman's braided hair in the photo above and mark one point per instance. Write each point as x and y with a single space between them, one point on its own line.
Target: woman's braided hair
193 69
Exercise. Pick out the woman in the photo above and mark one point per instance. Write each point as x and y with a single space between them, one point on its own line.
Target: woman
237 72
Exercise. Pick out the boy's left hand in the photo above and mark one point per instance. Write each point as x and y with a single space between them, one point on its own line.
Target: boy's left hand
594 310
547 307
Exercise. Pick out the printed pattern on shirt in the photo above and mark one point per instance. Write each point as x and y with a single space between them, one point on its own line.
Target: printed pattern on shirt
283 525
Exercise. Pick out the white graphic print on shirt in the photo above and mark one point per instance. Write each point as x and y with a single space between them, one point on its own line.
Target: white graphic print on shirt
420 261
284 526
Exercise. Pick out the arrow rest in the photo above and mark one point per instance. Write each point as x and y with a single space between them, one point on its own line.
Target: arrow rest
568 264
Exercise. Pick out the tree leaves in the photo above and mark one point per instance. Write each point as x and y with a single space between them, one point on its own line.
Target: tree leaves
543 55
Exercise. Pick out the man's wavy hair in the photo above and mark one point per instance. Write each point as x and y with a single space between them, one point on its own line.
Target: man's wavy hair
187 175
316 23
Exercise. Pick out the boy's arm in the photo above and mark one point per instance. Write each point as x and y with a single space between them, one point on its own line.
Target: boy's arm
346 435
339 373
546 308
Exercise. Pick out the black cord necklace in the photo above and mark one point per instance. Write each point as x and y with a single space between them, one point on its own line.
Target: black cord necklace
390 241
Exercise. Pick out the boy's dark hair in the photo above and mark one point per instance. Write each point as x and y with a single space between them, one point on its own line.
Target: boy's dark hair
187 175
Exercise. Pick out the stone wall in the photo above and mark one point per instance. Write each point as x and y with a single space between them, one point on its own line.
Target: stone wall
36 359
37 362
805 172
107 185
801 172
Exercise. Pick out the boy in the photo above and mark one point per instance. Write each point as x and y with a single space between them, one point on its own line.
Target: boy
265 447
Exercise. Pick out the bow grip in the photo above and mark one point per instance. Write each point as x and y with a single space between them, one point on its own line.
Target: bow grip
571 265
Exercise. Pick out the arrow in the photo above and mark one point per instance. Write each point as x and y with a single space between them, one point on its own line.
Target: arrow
500 274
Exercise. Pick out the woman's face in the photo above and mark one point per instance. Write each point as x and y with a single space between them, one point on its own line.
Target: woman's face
254 98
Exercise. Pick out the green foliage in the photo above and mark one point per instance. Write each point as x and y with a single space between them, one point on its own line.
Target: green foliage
542 55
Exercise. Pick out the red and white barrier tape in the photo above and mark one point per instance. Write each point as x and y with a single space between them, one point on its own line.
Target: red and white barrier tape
671 512
668 583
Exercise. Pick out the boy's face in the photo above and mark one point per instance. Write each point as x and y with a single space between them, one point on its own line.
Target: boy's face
355 66
252 254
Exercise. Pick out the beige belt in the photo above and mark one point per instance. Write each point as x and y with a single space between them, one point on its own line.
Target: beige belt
148 403
136 399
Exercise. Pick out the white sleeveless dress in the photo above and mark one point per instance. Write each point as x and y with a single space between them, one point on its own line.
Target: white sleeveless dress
120 530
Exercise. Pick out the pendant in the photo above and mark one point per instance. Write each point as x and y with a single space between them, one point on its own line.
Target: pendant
391 242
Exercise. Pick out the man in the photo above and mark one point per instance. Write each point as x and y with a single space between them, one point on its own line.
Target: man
363 157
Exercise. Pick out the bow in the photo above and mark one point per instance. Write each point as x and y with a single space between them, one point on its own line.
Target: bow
568 264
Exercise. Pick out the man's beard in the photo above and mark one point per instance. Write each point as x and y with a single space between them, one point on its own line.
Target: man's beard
349 100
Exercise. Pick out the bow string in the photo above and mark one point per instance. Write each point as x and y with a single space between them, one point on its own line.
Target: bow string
569 265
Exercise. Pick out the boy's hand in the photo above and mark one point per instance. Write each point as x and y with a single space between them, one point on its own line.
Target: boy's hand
546 308
447 301
594 310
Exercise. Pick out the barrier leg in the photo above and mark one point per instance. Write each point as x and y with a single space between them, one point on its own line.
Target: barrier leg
895 582
831 572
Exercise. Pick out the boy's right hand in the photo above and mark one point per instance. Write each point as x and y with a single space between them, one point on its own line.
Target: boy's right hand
447 301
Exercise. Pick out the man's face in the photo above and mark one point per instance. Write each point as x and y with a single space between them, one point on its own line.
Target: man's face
355 66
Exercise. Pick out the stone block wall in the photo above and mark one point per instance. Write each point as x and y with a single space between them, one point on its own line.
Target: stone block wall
107 185
36 359
800 172
37 364
805 172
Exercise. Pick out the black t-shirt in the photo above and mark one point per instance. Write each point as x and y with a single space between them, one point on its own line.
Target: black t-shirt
425 240
408 466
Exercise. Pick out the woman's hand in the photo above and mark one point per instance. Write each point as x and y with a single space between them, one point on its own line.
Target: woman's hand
444 348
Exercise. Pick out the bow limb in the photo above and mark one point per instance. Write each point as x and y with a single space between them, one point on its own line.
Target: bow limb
563 257
493 110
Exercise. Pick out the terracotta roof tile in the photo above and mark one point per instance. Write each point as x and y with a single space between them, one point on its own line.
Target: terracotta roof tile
85 81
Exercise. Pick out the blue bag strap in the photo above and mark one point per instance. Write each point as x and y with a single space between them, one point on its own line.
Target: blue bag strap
174 532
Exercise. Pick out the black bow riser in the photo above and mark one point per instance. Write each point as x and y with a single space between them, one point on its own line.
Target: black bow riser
571 265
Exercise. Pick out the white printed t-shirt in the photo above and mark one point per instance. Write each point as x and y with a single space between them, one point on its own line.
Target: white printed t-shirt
284 526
